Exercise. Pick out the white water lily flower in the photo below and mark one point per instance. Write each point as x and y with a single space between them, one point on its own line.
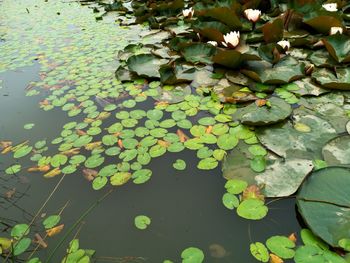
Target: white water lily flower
252 15
336 29
231 39
188 12
331 7
284 44
213 43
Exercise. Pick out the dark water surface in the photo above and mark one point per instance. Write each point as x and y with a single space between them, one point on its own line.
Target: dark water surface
185 206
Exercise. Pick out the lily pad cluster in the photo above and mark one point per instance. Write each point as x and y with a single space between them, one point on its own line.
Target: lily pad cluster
279 248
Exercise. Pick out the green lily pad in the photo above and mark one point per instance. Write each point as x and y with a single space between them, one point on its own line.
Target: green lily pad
253 209
192 255
286 70
323 202
94 161
207 163
264 115
120 178
286 139
337 151
145 65
199 53
51 221
28 126
284 177
13 169
338 46
329 80
20 230
281 246
22 151
142 222
179 164
230 201
141 176
21 246
259 251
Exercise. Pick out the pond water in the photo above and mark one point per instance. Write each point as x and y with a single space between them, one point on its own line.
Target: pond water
56 43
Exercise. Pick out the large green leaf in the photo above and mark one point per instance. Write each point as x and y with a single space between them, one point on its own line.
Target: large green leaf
283 178
327 78
338 46
225 15
264 115
323 202
199 53
302 139
337 151
286 70
145 65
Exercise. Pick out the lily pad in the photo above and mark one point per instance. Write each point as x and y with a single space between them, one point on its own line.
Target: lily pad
286 139
145 65
264 115
323 202
327 78
281 246
179 164
253 209
286 70
337 151
259 251
192 255
142 222
284 177
199 53
338 46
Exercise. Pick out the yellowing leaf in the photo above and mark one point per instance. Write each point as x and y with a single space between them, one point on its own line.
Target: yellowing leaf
52 173
55 230
275 259
42 168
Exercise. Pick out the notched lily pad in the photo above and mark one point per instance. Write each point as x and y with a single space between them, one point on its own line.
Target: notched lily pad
264 115
145 65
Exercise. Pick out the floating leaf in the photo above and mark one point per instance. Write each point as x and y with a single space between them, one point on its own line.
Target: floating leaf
51 221
120 178
253 209
13 169
192 255
142 222
281 246
21 246
323 203
179 164
230 201
20 230
145 65
259 251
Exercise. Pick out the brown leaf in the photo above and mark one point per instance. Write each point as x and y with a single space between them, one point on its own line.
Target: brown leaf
89 174
6 150
42 168
273 31
183 137
5 144
39 240
10 193
209 129
120 144
55 230
293 237
71 152
52 173
260 102
275 259
80 132
253 191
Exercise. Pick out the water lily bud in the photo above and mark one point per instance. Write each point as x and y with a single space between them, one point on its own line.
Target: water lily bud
231 39
252 15
213 43
336 29
331 7
188 12
309 69
284 44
